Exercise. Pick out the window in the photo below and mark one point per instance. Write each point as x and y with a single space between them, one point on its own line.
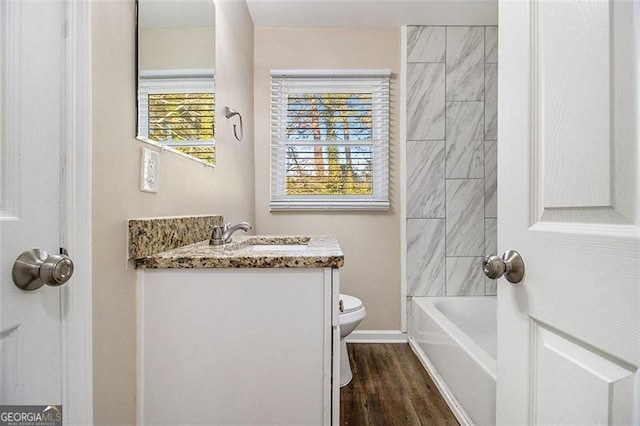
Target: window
177 109
329 140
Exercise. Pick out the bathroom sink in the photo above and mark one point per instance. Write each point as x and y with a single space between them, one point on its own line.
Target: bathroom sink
278 247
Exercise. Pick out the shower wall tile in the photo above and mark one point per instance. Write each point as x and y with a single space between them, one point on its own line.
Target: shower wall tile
490 247
491 102
490 236
452 80
490 179
409 306
491 45
490 287
425 257
465 147
425 101
465 217
465 63
425 179
465 276
426 44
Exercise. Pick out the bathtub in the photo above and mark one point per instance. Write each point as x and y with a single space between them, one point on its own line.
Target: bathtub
455 338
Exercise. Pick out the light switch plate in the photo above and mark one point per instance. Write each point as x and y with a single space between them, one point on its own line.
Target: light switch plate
149 170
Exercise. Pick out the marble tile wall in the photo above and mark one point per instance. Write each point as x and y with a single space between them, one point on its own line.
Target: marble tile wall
452 88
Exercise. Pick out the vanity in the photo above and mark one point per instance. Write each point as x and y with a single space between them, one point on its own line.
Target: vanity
240 333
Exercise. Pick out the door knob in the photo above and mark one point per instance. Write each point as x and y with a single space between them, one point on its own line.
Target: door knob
510 265
35 268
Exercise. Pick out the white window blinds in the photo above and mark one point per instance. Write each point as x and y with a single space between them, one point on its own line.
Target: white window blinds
176 108
330 140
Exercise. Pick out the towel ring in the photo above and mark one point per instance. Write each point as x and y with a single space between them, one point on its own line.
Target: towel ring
230 112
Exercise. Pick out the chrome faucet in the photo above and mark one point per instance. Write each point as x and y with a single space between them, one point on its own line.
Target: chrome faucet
222 234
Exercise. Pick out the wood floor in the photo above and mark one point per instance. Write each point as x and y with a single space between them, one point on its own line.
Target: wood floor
390 387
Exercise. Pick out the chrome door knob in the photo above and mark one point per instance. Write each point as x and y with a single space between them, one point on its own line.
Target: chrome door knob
493 266
35 268
510 265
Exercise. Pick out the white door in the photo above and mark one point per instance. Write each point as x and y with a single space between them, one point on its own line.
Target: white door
32 75
568 166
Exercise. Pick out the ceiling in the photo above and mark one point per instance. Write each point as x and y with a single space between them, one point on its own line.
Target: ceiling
325 13
372 13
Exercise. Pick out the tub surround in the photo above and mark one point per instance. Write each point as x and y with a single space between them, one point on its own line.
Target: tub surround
451 159
148 236
451 214
315 252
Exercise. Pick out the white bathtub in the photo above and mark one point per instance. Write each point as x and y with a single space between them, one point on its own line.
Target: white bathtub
455 337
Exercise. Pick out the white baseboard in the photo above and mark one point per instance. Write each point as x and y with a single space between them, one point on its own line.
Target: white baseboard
461 415
377 336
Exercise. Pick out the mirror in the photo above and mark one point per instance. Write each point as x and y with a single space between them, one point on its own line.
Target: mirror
175 76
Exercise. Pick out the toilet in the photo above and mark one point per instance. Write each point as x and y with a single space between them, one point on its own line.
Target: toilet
351 313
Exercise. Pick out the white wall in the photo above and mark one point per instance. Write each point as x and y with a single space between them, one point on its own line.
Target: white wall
176 48
370 241
186 187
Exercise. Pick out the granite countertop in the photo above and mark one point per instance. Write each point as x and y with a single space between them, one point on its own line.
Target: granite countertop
148 236
320 251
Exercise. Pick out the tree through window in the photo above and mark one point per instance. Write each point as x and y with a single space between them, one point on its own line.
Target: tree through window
177 109
339 167
330 140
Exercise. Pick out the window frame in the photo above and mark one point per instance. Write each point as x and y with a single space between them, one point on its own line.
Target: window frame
170 82
376 82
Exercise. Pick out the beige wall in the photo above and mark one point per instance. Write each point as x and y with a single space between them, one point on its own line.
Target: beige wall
176 48
186 187
370 241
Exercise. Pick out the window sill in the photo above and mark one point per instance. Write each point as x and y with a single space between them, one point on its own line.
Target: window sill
166 148
328 205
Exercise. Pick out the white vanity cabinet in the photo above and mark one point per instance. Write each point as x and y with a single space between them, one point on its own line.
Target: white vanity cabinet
238 346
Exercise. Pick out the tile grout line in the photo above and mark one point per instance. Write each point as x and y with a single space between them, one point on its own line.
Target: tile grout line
484 154
446 271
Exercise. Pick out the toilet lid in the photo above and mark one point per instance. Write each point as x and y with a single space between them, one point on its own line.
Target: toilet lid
350 303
